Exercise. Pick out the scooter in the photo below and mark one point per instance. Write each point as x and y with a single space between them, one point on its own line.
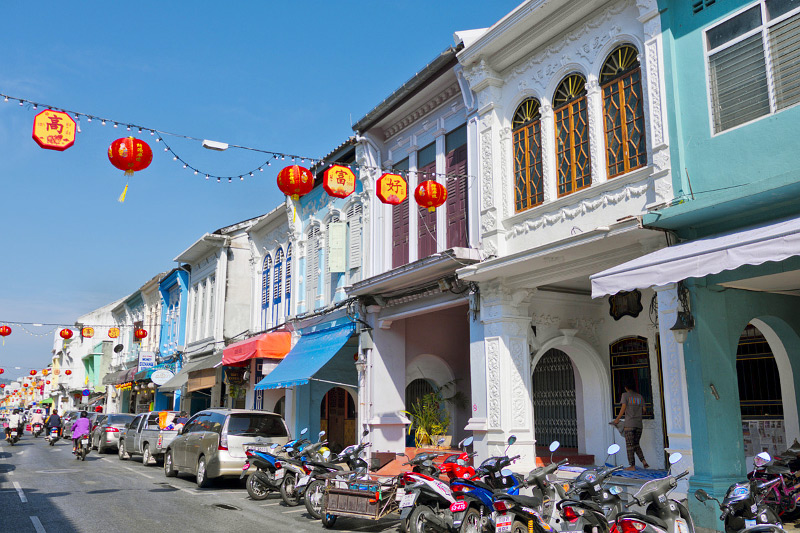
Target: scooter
744 508
663 514
589 486
37 429
295 469
83 448
52 438
549 491
269 472
12 435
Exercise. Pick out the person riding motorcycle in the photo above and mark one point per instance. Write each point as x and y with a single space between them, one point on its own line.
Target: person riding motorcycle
14 421
80 428
37 418
53 421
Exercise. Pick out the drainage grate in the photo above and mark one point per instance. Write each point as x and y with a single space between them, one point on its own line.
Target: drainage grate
226 506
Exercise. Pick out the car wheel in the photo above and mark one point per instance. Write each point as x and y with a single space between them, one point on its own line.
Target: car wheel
169 468
471 522
256 489
147 457
289 490
123 455
315 493
202 475
418 521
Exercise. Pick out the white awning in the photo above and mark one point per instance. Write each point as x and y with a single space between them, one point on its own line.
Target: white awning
696 259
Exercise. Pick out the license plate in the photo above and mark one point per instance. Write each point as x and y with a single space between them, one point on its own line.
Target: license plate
408 500
257 448
400 494
279 473
503 523
85 440
749 523
682 527
303 481
13 433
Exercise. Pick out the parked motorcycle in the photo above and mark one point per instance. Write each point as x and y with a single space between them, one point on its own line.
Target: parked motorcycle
269 472
590 486
784 495
37 429
744 507
83 448
296 469
662 514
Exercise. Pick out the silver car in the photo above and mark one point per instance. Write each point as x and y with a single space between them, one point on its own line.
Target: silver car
106 435
210 445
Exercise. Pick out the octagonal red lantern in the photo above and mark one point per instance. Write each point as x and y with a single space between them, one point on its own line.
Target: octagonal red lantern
295 181
33 372
113 333
66 333
140 333
68 372
5 331
339 181
392 189
87 332
430 194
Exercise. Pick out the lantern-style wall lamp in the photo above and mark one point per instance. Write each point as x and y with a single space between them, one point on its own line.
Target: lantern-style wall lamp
684 322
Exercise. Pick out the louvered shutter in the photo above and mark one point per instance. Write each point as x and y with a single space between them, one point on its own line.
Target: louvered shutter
785 46
400 234
312 268
354 222
426 227
457 197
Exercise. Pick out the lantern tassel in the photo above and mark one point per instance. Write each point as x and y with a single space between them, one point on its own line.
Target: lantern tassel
124 192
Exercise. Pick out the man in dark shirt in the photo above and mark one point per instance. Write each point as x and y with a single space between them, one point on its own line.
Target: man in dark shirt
633 409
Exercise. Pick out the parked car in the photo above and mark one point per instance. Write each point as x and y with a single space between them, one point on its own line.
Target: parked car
210 445
66 423
143 436
106 434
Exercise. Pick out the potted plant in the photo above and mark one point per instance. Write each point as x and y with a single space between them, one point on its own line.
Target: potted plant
429 419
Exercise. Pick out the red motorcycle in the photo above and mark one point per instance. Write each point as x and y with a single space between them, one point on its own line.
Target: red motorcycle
783 496
456 466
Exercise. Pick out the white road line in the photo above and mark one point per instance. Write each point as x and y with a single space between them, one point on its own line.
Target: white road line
270 504
19 491
136 471
20 453
37 525
295 511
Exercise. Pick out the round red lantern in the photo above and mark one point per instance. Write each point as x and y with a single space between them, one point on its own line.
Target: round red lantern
140 333
295 181
5 331
392 189
2 370
33 372
66 333
25 385
2 385
68 372
339 181
48 382
430 194
130 154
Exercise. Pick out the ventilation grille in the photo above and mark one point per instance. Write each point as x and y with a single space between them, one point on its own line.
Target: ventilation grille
699 5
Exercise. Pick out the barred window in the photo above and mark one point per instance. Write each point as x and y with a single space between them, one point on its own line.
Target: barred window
572 135
527 138
759 381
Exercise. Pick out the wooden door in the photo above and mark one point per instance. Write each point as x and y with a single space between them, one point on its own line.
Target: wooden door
336 403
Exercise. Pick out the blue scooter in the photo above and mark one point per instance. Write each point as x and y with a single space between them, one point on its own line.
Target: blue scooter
268 475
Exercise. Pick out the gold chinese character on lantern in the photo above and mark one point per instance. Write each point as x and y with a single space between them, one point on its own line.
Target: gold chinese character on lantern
54 130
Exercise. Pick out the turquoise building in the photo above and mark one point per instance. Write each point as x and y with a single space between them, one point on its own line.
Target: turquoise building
729 280
173 290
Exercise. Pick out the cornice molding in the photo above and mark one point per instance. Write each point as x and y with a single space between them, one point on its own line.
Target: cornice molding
423 110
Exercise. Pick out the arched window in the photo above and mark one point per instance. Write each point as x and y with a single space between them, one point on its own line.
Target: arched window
759 380
574 167
354 242
312 267
277 287
265 291
623 111
528 176
630 365
288 280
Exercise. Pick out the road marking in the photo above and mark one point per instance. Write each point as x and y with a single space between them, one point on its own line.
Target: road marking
19 491
294 511
37 525
270 504
20 453
136 471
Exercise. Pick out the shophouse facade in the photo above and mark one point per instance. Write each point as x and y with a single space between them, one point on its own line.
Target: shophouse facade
732 272
174 293
571 149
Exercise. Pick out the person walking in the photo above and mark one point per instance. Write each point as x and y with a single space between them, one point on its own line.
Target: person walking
632 408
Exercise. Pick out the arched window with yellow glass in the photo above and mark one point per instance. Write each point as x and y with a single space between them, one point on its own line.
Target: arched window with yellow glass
623 111
573 161
527 135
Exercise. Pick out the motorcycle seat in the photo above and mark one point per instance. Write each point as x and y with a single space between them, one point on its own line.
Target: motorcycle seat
323 464
528 501
644 518
475 483
778 469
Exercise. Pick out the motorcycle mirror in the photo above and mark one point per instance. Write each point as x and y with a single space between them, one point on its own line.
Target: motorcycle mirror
614 448
274 445
427 462
507 472
554 446
701 495
675 457
466 442
366 432
761 459
326 454
511 440
304 431
321 434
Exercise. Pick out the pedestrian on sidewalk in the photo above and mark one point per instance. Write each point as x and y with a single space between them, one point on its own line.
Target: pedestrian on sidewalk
632 408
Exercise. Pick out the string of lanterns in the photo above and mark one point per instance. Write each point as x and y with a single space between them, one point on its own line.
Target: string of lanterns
87 332
55 129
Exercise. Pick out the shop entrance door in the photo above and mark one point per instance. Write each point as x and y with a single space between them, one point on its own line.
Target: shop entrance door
335 411
554 413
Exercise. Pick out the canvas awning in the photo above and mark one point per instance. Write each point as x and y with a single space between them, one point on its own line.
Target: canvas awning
46 401
273 345
702 257
112 378
308 356
181 378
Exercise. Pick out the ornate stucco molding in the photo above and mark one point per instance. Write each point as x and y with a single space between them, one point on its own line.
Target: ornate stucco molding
425 109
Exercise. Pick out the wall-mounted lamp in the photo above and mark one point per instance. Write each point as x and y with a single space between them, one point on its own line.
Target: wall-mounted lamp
684 322
361 363
714 392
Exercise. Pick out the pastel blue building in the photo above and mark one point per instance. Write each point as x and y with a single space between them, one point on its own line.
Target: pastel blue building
729 281
174 297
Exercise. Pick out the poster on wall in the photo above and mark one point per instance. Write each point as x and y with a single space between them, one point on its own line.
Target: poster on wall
763 436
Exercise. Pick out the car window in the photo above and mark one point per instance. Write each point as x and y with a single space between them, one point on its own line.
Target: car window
260 424
137 421
194 423
118 419
205 422
217 421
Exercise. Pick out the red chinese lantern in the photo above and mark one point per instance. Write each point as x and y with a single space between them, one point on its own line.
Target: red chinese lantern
339 181
430 194
66 333
140 333
25 385
68 372
2 385
392 189
113 333
295 181
33 372
5 331
48 382
131 155
2 370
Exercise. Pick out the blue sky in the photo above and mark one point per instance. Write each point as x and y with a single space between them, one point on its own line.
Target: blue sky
282 76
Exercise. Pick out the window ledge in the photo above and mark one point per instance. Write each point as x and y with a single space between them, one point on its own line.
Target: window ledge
593 191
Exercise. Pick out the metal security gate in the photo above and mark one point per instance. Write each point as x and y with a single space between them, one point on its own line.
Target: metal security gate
554 414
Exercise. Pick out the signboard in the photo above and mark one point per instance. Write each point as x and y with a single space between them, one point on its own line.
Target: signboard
146 360
337 238
54 130
159 377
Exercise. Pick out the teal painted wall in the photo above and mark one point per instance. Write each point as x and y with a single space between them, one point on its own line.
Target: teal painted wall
710 357
737 163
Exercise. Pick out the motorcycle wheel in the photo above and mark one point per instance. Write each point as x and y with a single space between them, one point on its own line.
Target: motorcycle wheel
315 493
417 521
289 490
83 454
52 442
519 527
471 522
256 489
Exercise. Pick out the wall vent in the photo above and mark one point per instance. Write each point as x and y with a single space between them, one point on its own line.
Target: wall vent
699 5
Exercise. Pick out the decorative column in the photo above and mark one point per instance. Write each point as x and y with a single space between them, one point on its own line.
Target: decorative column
508 378
594 101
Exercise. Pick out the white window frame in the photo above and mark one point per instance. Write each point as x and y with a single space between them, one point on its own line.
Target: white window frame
763 29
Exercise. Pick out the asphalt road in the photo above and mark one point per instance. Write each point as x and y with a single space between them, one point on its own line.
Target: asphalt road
44 489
